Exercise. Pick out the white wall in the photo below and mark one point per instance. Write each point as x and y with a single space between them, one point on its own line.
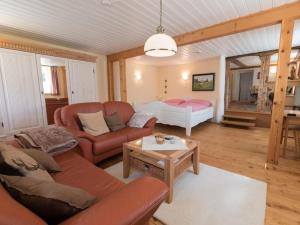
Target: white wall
147 88
179 88
151 85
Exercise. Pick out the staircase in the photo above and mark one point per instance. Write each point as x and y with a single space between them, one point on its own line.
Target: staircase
240 121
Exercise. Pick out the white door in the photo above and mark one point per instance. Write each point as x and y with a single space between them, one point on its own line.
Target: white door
20 91
83 81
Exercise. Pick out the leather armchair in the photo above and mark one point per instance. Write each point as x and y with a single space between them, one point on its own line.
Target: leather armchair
98 148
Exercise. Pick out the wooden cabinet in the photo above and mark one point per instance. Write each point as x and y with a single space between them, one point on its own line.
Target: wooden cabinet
83 81
51 105
21 100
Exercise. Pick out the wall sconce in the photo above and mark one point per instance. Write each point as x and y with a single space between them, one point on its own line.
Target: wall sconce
138 76
185 76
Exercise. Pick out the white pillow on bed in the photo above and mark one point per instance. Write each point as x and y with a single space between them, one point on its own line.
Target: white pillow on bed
139 119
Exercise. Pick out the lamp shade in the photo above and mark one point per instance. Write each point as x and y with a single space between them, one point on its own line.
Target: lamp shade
160 45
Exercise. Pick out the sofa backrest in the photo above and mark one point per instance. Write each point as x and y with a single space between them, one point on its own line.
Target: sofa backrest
13 213
124 109
69 117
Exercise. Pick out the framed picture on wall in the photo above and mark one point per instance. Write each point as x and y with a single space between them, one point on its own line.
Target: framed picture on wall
203 82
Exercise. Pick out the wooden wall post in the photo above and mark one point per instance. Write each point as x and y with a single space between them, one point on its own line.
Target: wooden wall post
285 46
110 80
228 90
262 97
123 88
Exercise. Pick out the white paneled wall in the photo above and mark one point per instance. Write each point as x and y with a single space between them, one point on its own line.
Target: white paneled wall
20 91
22 103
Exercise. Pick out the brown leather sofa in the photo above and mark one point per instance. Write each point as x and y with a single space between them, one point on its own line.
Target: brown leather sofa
101 147
117 203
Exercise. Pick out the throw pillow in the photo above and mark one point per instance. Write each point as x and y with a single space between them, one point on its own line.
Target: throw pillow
16 162
93 123
52 201
139 120
114 122
43 158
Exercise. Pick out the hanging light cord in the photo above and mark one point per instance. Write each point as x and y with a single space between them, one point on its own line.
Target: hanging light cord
160 28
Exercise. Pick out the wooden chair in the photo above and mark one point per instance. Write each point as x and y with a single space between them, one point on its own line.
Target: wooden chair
290 123
297 137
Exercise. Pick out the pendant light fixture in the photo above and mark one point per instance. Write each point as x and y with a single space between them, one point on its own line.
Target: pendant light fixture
160 44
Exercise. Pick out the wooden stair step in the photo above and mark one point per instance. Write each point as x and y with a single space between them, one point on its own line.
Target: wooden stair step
239 117
238 123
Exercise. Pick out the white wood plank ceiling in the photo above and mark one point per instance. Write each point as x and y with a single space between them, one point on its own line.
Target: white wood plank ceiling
123 24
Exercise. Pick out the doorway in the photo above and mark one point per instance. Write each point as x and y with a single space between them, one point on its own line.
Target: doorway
53 72
246 82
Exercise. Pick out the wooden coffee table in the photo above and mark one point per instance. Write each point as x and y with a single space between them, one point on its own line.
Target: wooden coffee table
165 165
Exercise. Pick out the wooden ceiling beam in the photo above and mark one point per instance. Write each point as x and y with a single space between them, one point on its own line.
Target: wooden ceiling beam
237 62
245 23
45 50
245 68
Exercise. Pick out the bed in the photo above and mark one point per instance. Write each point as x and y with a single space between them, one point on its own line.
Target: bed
179 112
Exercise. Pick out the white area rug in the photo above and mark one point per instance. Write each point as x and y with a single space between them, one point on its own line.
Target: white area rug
214 197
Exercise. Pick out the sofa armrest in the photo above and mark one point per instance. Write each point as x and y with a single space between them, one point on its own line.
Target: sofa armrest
151 123
134 204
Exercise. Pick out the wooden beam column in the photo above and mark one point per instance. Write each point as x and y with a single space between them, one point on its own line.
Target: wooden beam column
228 90
262 87
285 46
123 87
110 80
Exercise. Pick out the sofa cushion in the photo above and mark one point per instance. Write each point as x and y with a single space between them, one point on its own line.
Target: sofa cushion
79 172
109 141
93 123
139 119
52 201
43 158
69 117
124 109
10 208
114 121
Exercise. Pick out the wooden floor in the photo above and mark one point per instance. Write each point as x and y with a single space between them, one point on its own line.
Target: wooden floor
243 151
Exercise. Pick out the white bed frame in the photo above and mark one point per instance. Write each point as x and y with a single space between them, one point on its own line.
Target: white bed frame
176 116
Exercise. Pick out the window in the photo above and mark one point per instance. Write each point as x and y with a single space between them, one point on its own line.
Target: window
47 79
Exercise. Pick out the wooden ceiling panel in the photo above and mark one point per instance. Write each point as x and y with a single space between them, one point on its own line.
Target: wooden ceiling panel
89 25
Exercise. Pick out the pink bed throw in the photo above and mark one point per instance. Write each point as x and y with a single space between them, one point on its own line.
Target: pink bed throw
51 139
196 104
